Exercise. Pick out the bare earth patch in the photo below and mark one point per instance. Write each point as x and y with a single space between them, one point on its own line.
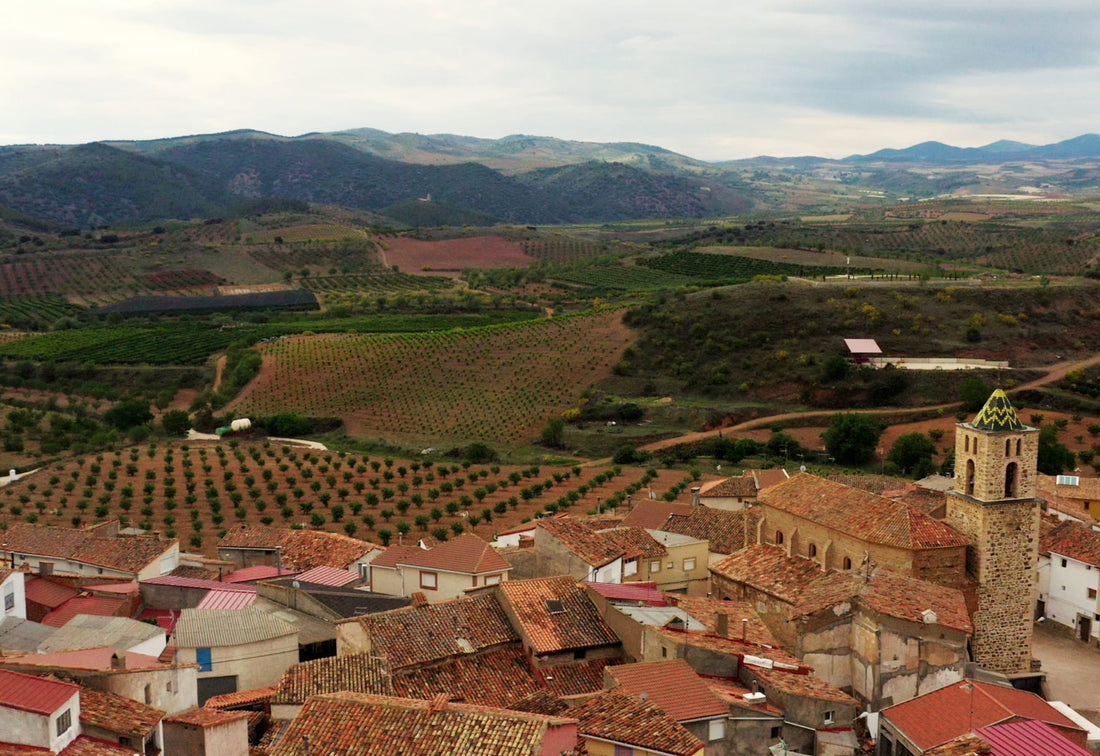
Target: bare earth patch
479 252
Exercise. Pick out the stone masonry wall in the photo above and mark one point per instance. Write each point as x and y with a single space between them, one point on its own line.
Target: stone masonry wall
991 454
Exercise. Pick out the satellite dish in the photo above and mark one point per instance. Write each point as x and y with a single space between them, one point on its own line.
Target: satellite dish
296 584
802 468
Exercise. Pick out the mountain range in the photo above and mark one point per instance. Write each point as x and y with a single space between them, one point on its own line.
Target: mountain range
435 179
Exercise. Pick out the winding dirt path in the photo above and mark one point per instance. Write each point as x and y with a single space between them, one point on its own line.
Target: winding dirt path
1055 372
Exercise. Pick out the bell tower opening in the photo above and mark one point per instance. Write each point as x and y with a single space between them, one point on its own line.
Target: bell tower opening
1012 475
969 477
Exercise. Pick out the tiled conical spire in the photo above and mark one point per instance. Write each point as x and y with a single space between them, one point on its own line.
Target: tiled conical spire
998 414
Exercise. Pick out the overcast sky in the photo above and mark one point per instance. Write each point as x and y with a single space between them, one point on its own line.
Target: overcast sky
711 79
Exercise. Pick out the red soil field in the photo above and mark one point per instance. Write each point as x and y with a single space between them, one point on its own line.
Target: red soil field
481 252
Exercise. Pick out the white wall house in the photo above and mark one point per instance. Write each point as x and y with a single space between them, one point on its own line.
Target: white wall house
612 572
13 596
36 711
1069 579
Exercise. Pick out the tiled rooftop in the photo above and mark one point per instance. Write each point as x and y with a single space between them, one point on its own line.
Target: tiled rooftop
89 746
37 695
937 717
47 593
302 549
1084 488
866 516
629 593
651 514
201 628
118 714
87 658
465 553
355 724
102 606
673 686
706 610
240 698
803 685
768 568
624 719
579 678
207 717
490 678
542 701
733 646
596 544
741 486
123 554
577 625
416 635
1072 539
725 531
362 673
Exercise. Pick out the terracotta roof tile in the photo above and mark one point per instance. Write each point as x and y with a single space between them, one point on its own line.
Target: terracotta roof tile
542 701
751 653
596 544
119 714
577 625
124 554
200 573
578 678
742 486
240 698
356 724
768 568
867 516
951 711
362 673
706 611
1085 488
964 745
207 717
803 685
46 592
467 553
651 514
673 686
303 549
1072 539
724 530
89 746
489 678
623 719
418 634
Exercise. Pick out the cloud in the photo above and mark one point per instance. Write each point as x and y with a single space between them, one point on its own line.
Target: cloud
783 77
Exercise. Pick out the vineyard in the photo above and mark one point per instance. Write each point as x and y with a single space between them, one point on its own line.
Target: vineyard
350 255
729 268
377 283
499 384
562 250
305 233
35 312
622 278
195 492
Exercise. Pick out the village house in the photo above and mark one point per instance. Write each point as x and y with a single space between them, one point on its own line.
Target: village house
13 596
121 720
736 493
235 649
35 711
1080 494
207 732
614 723
724 531
285 548
442 572
1022 738
120 633
161 684
916 727
94 551
1069 579
20 636
363 723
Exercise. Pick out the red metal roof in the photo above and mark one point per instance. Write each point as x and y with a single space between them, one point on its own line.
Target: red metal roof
165 618
101 606
34 694
220 599
1027 738
124 588
646 593
949 712
256 572
324 575
863 346
48 593
85 658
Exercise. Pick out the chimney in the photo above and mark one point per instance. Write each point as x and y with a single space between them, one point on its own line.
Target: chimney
419 599
695 496
722 624
438 702
45 569
118 660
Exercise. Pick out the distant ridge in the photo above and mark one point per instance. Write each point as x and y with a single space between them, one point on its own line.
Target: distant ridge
1084 146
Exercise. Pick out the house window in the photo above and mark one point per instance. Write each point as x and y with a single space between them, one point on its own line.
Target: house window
1092 593
829 716
664 652
716 729
1063 562
578 655
148 694
689 564
202 656
779 538
429 580
630 567
812 550
492 579
847 563
9 601
655 566
776 732
623 751
64 722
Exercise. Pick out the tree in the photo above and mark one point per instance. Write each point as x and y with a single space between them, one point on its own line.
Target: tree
128 414
973 393
913 452
1054 456
554 432
851 437
176 422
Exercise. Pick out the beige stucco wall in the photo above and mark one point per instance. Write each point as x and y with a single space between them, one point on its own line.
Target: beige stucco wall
28 728
695 581
229 739
352 638
173 690
254 664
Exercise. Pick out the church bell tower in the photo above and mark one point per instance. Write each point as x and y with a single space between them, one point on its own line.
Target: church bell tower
993 503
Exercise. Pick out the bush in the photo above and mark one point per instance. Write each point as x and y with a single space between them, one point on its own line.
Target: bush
912 453
851 437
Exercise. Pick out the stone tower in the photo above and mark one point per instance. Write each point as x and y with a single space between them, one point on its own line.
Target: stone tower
993 503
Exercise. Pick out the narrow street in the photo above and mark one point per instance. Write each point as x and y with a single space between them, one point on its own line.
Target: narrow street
1072 669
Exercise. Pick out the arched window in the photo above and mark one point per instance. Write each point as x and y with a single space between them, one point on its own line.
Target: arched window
1008 447
812 550
966 442
1011 476
847 563
1018 442
970 477
779 538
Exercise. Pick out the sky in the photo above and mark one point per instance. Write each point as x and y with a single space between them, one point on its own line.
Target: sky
714 80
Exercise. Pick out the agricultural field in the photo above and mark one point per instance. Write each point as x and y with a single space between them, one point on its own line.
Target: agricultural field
621 278
304 233
808 258
195 491
497 384
729 268
35 312
564 250
476 252
382 282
